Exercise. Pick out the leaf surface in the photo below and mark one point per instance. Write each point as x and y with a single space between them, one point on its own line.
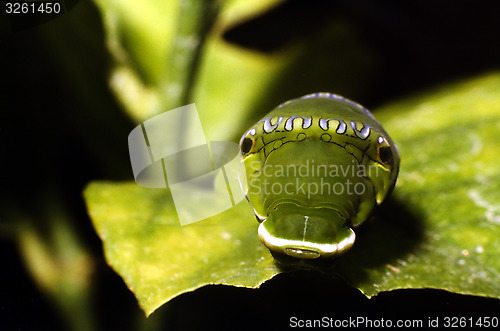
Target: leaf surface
440 228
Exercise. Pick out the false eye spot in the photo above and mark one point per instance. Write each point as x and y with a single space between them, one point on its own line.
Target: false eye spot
326 137
246 145
385 154
301 136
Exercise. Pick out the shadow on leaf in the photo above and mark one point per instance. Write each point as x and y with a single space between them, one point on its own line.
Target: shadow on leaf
392 234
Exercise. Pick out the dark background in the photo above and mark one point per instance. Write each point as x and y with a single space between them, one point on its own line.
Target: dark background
54 140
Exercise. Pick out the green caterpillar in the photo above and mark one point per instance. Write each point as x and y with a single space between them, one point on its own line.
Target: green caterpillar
315 167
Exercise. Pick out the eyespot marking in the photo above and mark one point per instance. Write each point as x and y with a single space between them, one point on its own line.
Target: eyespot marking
269 126
307 122
247 145
324 124
342 127
289 123
349 148
326 137
277 144
360 129
385 154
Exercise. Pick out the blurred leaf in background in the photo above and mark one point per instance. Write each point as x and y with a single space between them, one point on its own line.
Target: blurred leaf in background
229 81
55 110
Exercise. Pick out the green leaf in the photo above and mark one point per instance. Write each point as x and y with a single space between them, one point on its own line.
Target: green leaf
159 259
439 230
444 224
